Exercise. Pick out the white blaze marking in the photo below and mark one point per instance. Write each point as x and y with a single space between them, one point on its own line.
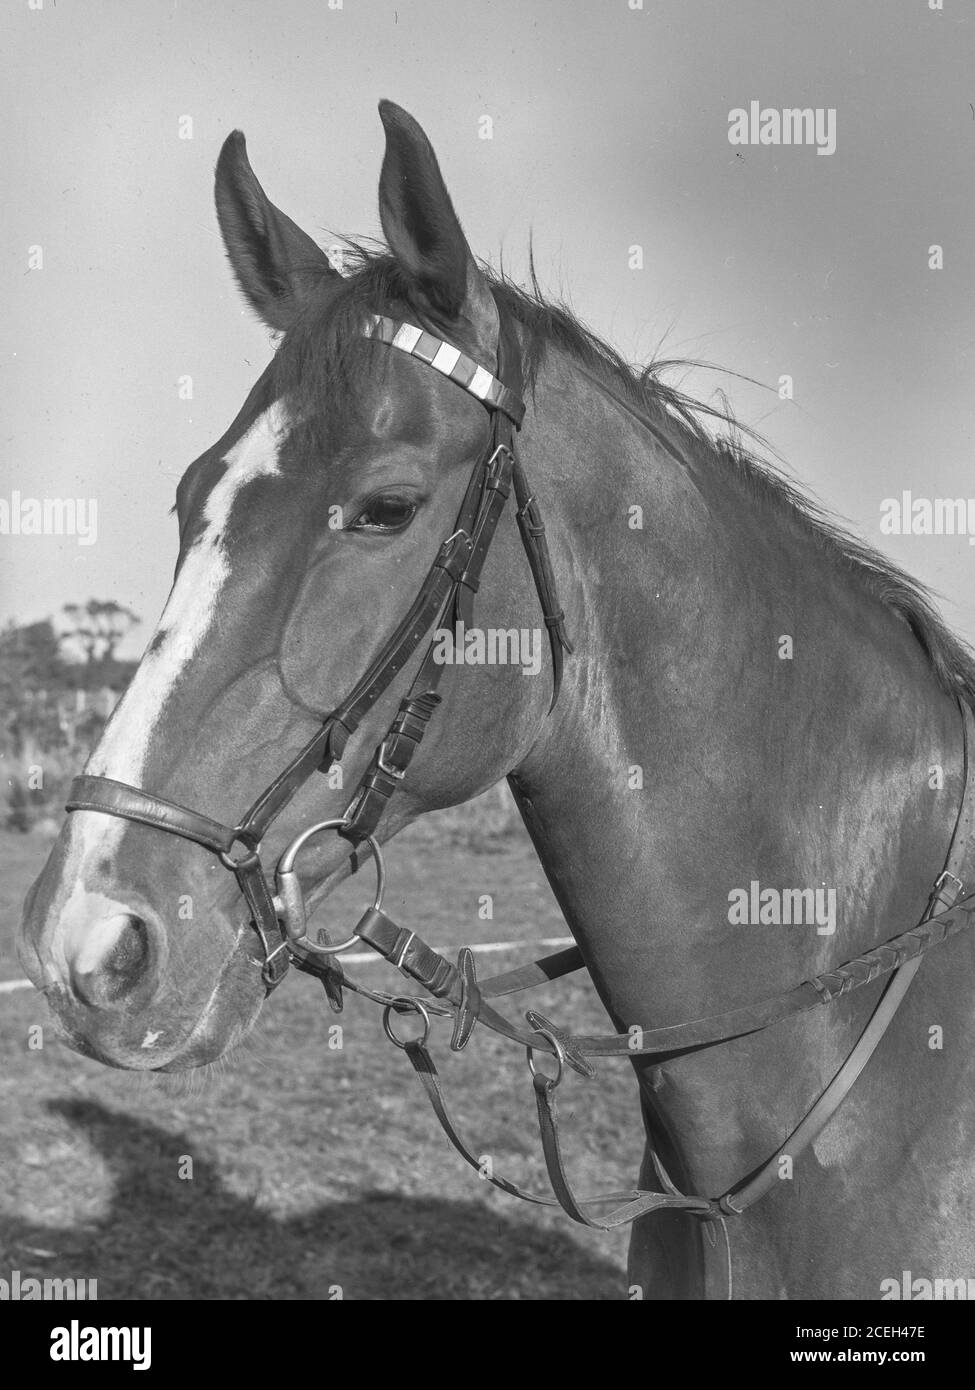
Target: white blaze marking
189 613
190 610
151 1038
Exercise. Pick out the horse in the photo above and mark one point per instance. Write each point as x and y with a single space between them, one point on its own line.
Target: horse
743 763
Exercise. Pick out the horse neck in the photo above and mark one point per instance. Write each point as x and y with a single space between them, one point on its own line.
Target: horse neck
694 753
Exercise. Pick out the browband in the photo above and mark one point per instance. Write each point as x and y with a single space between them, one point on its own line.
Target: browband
450 362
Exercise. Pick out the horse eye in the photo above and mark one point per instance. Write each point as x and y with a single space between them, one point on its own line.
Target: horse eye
386 512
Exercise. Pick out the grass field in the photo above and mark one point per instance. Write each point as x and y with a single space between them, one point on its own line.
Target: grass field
315 1168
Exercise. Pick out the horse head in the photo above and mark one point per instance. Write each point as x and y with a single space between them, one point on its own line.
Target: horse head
303 533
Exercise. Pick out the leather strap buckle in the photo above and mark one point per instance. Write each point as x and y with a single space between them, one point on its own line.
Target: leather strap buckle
274 971
946 873
498 470
384 765
454 555
950 896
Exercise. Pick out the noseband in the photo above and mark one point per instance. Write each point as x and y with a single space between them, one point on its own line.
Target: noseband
448 592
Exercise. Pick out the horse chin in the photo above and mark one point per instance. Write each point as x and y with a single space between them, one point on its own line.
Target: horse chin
162 1038
212 1036
209 1043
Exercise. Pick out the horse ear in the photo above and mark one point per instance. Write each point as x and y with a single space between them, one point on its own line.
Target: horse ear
276 264
424 234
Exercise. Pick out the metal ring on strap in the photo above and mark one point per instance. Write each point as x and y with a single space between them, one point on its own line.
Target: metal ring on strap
290 903
417 1006
251 857
559 1055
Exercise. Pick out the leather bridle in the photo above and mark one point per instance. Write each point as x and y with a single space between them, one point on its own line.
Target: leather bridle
448 591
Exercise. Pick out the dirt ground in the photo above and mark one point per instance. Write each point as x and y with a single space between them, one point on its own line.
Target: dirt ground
314 1170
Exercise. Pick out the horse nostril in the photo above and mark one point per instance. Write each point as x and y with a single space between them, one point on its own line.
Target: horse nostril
117 964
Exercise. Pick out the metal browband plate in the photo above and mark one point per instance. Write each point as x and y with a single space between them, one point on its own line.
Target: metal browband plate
450 362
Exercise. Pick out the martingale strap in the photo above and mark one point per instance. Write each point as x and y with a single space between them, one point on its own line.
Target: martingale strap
426 966
899 957
948 913
628 1204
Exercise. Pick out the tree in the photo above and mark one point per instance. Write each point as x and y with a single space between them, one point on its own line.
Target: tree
32 673
30 657
96 629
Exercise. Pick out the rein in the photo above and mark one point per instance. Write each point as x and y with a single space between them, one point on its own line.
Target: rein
280 920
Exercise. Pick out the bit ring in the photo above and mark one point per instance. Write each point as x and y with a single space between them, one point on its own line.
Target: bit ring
290 903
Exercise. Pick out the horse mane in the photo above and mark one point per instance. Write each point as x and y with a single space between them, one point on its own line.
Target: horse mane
324 355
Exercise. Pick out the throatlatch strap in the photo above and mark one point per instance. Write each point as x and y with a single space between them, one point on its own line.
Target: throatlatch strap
532 529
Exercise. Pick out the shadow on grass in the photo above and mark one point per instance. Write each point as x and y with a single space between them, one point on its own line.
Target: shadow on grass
164 1238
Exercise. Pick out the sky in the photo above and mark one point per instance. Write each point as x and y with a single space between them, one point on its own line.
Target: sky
610 130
